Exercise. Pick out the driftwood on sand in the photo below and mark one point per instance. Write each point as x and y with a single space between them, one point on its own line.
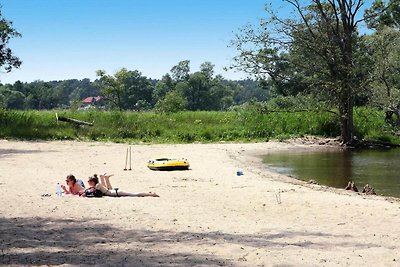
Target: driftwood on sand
351 186
369 190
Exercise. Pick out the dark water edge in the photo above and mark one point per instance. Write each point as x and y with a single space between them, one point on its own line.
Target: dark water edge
378 168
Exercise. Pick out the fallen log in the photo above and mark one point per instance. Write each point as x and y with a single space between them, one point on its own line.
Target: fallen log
73 121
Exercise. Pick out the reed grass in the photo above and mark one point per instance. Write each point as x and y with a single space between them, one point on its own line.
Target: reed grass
187 127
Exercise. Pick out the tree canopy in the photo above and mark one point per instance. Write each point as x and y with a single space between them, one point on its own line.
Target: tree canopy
7 59
315 50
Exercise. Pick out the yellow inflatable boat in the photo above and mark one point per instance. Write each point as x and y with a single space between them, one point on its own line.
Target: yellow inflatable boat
166 164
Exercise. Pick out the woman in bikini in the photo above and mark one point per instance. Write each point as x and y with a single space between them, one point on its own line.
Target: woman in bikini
107 190
74 187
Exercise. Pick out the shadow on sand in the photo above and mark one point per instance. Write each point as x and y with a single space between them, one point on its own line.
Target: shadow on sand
39 241
10 152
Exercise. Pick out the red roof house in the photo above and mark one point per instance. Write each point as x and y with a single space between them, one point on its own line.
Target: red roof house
91 99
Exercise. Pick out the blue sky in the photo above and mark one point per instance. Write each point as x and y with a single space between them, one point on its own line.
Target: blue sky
71 39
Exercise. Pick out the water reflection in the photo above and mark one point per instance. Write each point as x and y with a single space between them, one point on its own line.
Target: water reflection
379 168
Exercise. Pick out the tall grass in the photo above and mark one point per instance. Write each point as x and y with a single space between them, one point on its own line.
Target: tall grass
184 127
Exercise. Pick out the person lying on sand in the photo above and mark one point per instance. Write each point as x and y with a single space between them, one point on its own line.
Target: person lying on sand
106 189
91 191
74 187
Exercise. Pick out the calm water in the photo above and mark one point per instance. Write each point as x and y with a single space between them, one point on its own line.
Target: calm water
379 168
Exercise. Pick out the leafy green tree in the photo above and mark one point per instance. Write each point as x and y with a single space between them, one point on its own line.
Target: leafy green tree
315 50
384 17
220 94
169 82
172 102
40 95
160 90
197 91
383 14
11 99
48 98
113 87
181 71
126 89
207 68
7 59
19 86
75 96
385 47
162 87
141 105
3 101
138 91
248 89
61 89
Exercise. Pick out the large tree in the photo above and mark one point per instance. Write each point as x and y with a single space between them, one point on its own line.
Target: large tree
384 45
113 87
315 49
196 91
181 71
126 89
7 58
138 94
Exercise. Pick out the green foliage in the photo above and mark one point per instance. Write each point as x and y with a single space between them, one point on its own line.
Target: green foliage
296 103
313 50
181 71
243 125
126 90
32 125
385 78
7 59
129 90
383 13
370 124
172 102
11 99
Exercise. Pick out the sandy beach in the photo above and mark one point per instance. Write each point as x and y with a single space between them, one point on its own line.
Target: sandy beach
205 216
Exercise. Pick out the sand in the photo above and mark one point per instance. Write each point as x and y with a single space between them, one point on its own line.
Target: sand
206 216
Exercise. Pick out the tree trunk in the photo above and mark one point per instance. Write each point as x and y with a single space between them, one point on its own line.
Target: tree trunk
347 78
346 115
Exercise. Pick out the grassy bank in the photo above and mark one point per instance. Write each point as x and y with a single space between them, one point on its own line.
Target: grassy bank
186 127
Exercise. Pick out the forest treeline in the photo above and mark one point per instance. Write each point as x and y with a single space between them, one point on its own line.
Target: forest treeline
130 90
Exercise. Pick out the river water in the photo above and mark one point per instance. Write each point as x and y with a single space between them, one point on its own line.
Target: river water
378 168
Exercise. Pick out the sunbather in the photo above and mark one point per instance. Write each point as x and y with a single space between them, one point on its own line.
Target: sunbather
107 190
74 187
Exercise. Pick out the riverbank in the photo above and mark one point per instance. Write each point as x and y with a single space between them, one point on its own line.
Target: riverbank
206 216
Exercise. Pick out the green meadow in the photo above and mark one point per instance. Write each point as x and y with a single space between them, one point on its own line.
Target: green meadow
188 126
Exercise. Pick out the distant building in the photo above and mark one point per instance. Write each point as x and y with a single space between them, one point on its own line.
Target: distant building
91 100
